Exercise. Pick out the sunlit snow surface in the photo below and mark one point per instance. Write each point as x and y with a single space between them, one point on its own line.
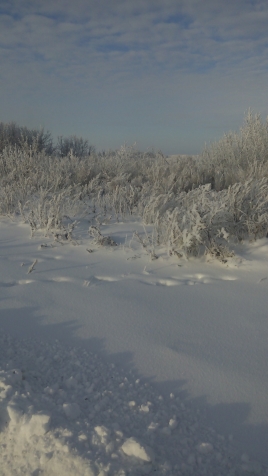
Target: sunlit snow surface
113 364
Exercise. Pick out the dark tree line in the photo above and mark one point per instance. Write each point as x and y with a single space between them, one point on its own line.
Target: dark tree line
11 134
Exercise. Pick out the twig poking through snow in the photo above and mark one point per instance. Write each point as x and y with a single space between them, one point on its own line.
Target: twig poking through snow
31 268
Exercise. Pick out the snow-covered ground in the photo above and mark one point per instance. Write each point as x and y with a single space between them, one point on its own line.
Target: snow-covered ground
113 364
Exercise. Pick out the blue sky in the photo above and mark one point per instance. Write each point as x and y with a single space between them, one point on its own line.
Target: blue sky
167 74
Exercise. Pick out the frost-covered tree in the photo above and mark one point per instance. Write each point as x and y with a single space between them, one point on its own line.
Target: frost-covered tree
77 145
11 134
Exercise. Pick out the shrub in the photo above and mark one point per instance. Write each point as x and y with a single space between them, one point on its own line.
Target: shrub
237 157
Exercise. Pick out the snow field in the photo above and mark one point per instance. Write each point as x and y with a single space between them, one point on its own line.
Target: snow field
66 411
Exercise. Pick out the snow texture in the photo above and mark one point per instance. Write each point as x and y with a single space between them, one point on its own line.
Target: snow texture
69 408
100 431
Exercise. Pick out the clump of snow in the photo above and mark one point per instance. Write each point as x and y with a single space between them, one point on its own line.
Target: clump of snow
205 448
14 413
173 423
37 425
132 447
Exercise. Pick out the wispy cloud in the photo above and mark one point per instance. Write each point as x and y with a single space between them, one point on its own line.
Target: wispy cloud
181 35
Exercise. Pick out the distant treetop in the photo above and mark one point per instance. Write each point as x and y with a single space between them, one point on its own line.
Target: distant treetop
11 134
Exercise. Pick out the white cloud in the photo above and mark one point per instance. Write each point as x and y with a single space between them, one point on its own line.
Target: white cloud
91 33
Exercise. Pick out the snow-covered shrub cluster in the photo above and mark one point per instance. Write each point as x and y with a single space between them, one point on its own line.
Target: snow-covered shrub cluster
204 220
196 204
237 157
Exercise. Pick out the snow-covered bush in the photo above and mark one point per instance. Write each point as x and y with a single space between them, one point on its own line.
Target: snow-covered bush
99 239
204 220
195 204
46 211
237 157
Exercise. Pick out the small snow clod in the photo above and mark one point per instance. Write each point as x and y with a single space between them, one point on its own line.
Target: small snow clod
132 447
204 448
